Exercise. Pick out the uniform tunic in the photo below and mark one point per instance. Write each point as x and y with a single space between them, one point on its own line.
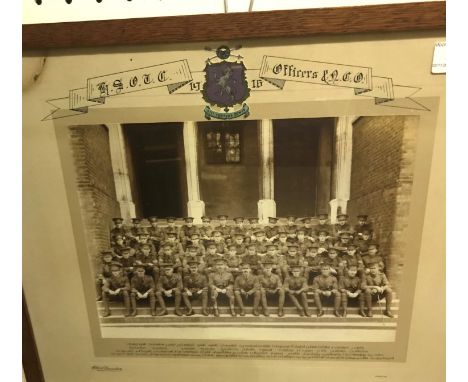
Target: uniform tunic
270 282
379 280
195 281
325 283
142 284
351 284
252 259
169 282
221 279
246 283
295 283
113 283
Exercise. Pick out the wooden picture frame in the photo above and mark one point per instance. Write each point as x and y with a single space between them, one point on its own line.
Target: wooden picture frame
356 21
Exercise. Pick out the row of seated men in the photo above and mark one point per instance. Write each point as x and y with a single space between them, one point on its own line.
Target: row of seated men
249 229
353 283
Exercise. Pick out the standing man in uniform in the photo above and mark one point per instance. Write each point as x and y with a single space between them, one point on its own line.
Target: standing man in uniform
272 229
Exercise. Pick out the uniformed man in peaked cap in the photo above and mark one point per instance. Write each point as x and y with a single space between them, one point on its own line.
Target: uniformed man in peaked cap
116 285
195 285
142 288
376 284
326 285
245 286
270 284
221 283
296 286
169 286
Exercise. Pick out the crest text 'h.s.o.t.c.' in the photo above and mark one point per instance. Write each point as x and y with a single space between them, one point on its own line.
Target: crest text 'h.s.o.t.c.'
225 87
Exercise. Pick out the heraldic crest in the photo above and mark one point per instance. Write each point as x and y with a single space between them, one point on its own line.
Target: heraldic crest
225 87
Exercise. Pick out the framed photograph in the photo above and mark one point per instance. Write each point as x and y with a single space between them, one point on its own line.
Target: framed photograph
215 204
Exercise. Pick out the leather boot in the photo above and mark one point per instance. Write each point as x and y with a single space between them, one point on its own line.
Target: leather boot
126 299
281 303
205 303
256 303
305 304
105 304
240 303
362 311
232 309
388 303
133 312
162 304
297 305
152 299
344 304
318 304
188 305
177 301
266 313
215 309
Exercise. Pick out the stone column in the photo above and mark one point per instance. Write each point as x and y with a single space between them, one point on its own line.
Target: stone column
343 159
195 206
123 189
266 205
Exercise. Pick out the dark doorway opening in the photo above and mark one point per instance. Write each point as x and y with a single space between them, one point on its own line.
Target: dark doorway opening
157 166
303 165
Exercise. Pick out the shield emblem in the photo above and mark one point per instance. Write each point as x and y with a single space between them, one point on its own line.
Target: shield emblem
226 84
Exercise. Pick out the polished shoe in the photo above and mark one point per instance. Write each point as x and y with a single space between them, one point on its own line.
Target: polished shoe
306 312
242 313
345 313
369 313
362 313
190 312
106 314
205 312
388 314
216 312
162 312
127 314
301 313
178 312
153 312
280 313
255 313
266 313
233 312
336 313
320 313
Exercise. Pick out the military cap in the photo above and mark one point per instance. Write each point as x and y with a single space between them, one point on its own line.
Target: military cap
126 249
292 246
167 265
324 231
232 245
306 220
366 231
253 220
352 245
332 249
296 267
352 266
364 216
323 216
259 232
191 248
216 231
220 260
188 219
138 266
324 265
342 216
145 245
282 233
345 234
373 244
239 234
193 263
194 235
153 219
272 219
117 220
115 266
245 266
210 244
142 232
238 219
170 219
252 245
300 230
206 219
291 217
222 216
166 246
268 264
171 233
107 253
136 220
272 246
314 245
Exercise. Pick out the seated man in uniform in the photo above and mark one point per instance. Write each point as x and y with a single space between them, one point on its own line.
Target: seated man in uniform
206 230
296 285
292 258
233 260
342 225
350 285
117 285
270 284
247 285
187 230
272 229
252 258
156 235
363 224
169 286
195 284
376 285
221 283
142 287
103 272
372 256
312 262
326 285
118 229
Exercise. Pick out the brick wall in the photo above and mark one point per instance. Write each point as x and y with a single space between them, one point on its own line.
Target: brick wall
381 181
95 184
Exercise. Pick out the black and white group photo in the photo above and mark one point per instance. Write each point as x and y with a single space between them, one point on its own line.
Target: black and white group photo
296 221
